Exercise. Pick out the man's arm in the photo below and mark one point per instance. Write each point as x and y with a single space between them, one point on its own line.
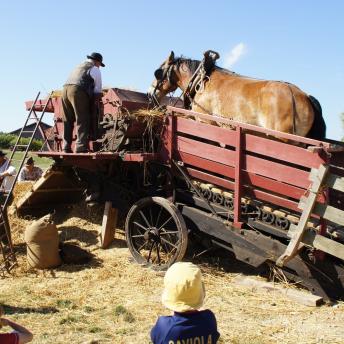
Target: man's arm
97 77
25 336
21 176
11 171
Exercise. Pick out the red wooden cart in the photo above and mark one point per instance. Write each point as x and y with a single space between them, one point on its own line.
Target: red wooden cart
234 185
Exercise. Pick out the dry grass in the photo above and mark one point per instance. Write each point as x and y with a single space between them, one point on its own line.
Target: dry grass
113 300
144 113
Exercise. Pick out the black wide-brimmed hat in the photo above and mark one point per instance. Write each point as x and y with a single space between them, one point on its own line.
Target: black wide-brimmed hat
98 57
30 161
2 153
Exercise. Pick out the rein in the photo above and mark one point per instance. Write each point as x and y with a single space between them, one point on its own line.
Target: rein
196 84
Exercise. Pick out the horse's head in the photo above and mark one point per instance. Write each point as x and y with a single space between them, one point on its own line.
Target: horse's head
165 79
178 72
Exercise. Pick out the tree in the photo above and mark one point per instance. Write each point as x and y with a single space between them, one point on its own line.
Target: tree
7 141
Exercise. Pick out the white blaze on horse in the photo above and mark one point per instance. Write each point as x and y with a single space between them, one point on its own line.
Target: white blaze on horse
213 90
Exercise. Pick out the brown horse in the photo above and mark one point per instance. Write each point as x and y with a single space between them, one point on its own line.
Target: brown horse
209 89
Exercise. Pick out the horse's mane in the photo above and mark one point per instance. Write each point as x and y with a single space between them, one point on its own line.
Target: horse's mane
193 65
227 71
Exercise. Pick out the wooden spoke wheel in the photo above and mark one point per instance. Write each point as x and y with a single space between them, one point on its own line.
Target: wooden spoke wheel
155 232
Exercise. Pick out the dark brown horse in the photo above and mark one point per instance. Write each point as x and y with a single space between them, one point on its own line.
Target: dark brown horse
209 89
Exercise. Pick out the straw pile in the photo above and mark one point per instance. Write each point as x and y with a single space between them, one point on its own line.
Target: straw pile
113 300
18 224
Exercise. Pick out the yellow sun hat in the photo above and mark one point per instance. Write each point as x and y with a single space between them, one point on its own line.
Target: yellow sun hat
183 287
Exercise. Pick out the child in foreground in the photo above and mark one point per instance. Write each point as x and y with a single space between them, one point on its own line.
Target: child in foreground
20 334
184 294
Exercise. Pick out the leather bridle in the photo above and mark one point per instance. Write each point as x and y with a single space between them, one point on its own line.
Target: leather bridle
162 74
196 82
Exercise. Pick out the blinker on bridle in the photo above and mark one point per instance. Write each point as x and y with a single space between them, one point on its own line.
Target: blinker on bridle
161 75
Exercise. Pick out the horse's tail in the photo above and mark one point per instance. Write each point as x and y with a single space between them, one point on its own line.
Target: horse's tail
318 129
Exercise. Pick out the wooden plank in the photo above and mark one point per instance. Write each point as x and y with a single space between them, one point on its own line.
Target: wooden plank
337 159
321 243
286 190
54 184
327 212
330 213
238 186
274 133
295 241
327 245
206 131
335 182
57 190
261 145
248 191
140 156
283 151
298 296
73 156
253 164
107 233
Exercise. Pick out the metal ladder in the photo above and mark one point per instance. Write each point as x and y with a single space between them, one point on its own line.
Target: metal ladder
6 246
9 260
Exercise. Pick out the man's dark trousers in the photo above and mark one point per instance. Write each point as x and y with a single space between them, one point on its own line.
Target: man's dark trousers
76 104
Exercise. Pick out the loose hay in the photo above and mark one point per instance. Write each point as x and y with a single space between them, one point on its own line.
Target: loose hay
118 301
144 113
22 188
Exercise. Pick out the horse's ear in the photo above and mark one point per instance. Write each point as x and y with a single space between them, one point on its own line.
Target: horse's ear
170 59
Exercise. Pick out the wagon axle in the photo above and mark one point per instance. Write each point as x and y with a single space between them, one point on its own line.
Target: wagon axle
152 234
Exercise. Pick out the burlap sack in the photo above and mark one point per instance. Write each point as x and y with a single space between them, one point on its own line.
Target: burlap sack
42 242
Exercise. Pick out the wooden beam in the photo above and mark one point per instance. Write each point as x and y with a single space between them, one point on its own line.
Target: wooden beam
333 181
326 211
109 225
322 243
296 238
298 296
57 190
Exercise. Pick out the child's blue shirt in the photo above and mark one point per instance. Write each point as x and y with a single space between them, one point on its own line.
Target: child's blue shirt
186 328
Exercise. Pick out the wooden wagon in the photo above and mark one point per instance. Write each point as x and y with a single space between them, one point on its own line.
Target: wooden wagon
266 196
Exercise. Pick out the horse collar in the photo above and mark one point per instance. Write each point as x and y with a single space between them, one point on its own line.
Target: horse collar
196 83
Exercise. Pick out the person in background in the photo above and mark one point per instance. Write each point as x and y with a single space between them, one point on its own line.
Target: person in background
20 334
30 171
184 294
82 89
7 173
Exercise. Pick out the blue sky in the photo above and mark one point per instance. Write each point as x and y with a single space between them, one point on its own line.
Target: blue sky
296 41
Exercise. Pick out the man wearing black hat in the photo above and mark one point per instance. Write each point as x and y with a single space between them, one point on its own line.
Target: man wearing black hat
83 87
30 172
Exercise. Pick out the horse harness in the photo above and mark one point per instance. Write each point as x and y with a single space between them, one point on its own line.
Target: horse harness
294 106
200 77
197 80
